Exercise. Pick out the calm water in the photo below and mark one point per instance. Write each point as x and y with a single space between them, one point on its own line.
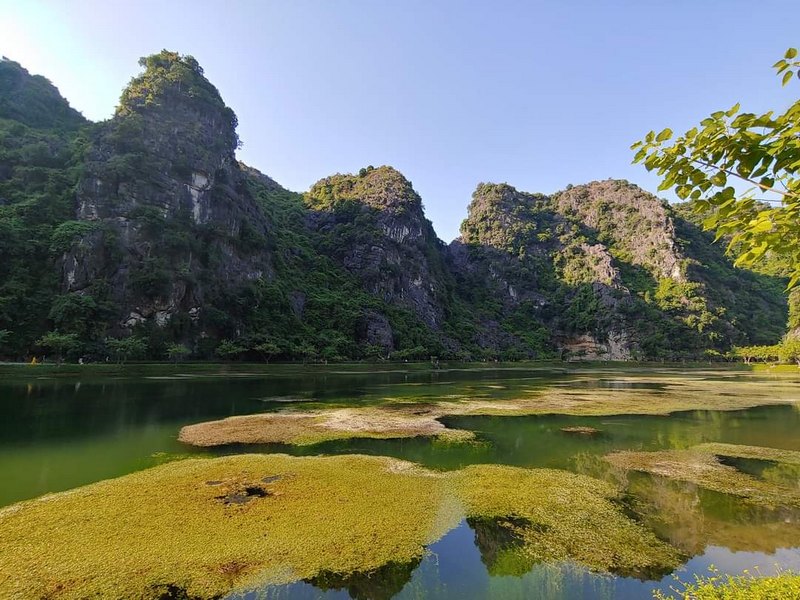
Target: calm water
62 432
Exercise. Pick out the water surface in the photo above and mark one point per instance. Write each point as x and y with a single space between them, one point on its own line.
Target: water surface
61 432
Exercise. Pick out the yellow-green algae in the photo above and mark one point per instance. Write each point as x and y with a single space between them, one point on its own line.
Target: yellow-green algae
558 515
312 427
207 526
173 525
701 466
789 457
410 419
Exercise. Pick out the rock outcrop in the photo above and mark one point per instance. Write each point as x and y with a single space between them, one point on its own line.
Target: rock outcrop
171 212
374 226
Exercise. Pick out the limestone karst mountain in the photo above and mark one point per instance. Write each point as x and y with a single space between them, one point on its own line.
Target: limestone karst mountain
146 225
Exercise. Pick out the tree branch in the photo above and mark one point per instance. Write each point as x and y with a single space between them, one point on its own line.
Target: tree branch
765 188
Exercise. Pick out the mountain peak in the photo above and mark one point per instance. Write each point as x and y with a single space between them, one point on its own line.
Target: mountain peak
173 82
381 187
33 99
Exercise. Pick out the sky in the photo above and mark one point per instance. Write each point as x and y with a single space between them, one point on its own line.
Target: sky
451 93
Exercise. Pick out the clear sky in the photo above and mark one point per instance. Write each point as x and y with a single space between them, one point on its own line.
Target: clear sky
452 93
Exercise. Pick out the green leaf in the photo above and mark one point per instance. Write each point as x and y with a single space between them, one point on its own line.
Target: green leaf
761 227
786 77
733 110
664 135
791 53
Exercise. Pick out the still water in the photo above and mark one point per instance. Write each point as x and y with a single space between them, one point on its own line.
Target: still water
60 432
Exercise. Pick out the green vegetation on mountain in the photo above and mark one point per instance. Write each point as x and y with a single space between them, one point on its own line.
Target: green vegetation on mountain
142 237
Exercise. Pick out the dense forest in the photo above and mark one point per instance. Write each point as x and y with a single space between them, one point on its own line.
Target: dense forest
143 237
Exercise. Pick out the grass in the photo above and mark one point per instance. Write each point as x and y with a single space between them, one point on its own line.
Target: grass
203 527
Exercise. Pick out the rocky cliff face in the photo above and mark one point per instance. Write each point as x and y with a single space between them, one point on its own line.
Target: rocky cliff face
171 215
547 274
638 225
609 271
375 227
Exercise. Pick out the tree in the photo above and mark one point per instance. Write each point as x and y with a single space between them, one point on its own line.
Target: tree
60 343
177 352
125 349
790 351
267 349
760 151
229 350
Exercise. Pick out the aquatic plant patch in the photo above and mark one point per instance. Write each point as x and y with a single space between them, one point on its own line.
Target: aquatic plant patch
406 418
556 516
203 527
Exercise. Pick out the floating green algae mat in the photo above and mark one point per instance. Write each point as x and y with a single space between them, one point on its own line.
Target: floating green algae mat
562 516
206 526
705 466
312 427
407 418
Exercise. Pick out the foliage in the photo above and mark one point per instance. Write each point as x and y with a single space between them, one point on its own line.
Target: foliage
756 353
125 349
38 169
760 150
228 349
177 352
33 100
789 351
168 75
748 586
60 343
67 233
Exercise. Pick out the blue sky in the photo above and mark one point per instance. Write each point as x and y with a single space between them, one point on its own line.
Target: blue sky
452 93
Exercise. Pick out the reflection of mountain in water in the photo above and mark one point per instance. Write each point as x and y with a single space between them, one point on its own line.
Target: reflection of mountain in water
382 583
692 518
501 542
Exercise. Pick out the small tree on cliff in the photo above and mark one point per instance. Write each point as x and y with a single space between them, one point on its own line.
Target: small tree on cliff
762 151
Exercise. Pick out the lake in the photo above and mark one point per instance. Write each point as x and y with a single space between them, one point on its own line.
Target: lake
61 431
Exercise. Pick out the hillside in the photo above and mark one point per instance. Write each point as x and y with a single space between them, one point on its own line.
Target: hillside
147 227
